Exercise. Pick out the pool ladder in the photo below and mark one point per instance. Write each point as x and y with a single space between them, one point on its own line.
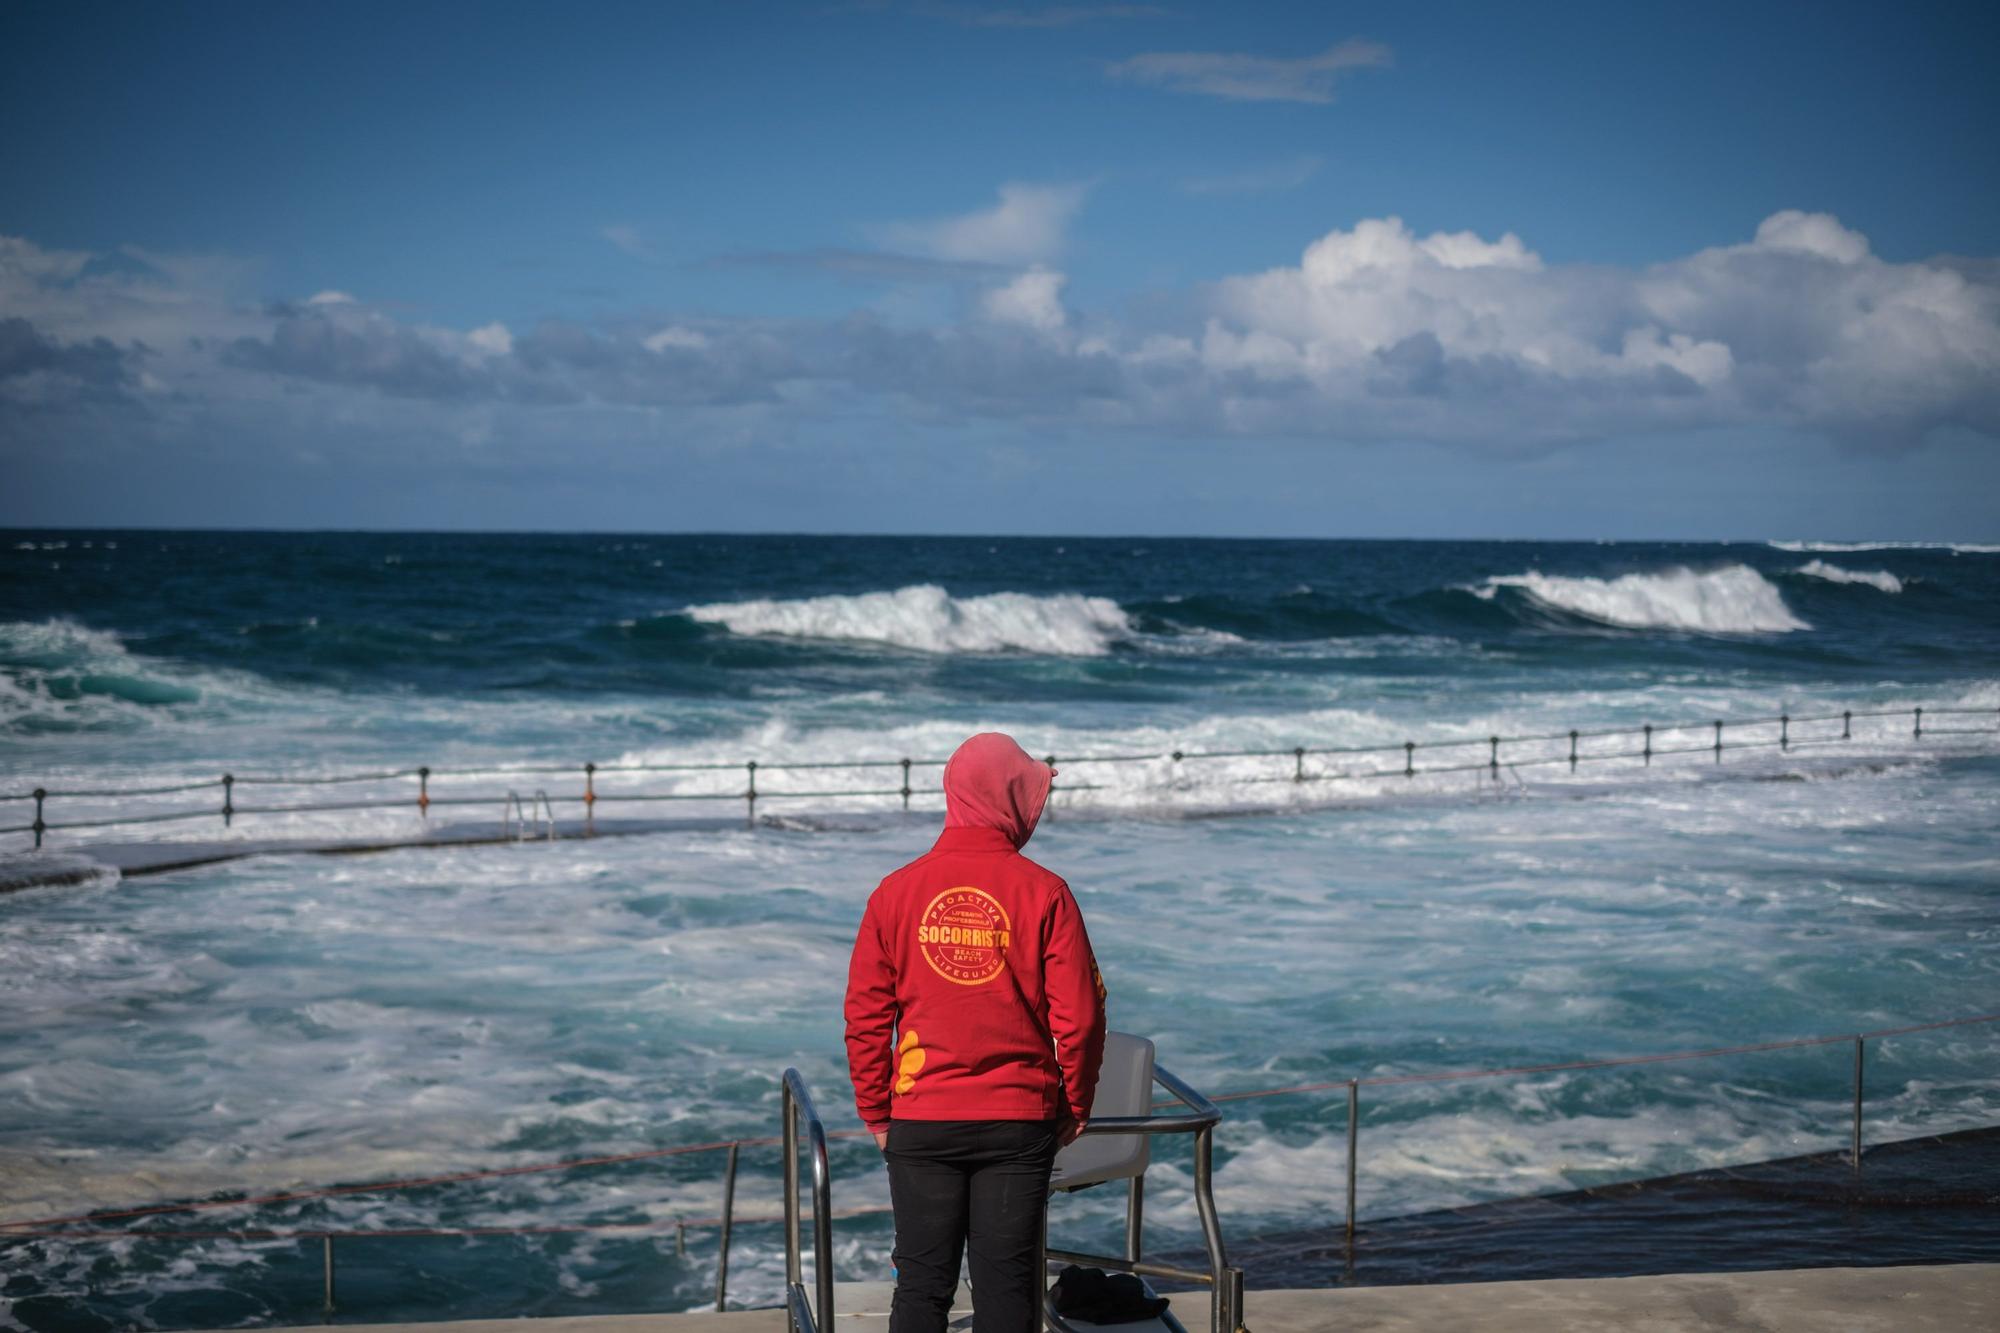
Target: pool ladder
516 815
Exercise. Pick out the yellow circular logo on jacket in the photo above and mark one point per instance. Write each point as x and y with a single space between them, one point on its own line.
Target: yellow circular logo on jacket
964 935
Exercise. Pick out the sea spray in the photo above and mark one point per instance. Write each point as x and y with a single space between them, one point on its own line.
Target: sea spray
1878 578
1735 599
925 618
298 1021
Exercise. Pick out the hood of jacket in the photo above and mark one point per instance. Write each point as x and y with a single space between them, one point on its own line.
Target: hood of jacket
991 782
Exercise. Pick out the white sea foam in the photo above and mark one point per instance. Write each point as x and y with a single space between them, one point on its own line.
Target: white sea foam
1958 548
1735 599
63 675
1875 578
927 619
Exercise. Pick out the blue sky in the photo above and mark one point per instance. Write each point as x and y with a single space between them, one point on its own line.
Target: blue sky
1424 270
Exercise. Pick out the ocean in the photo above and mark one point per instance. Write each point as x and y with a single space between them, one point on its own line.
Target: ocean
1270 918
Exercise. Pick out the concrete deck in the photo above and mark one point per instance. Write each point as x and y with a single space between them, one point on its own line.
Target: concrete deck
1944 1299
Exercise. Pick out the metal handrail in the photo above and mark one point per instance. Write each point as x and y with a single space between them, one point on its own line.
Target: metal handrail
798 1103
1225 1283
1712 730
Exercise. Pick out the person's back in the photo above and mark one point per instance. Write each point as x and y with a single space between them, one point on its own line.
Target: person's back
975 1026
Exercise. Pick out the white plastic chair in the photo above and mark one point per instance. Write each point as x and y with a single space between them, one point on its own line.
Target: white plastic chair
1124 1087
1118 1145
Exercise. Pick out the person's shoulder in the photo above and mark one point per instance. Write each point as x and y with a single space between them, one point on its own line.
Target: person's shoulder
1041 876
893 883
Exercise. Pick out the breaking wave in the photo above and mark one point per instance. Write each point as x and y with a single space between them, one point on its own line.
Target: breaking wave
927 619
1735 599
60 675
1958 548
1876 578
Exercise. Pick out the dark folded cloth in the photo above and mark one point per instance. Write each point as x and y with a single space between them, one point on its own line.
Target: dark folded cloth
1104 1298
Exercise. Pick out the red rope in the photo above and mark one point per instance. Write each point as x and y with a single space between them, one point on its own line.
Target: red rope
599 1228
1376 1081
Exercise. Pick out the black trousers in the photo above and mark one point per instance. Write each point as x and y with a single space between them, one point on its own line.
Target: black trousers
981 1184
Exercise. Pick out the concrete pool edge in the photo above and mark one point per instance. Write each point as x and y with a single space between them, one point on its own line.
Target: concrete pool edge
1907 1299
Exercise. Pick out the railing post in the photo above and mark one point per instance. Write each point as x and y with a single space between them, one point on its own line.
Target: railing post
1353 1144
1648 751
1299 763
789 1139
1409 759
728 1221
1494 762
589 798
1859 1042
1135 1218
1847 724
41 794
1211 1225
1918 734
1049 808
424 792
906 784
326 1256
750 795
1718 740
228 798
1572 751
1784 731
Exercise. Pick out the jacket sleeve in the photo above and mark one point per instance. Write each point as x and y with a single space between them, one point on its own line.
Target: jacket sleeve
871 1021
1076 1003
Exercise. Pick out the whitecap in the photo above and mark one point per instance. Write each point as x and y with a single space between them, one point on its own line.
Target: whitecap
1957 548
927 619
1735 599
1876 578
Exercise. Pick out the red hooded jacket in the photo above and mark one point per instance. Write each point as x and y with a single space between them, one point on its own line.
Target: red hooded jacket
972 993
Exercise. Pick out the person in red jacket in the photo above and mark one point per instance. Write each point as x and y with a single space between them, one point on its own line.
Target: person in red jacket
975 1028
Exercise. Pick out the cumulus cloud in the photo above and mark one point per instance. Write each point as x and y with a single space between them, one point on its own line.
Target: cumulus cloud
1376 331
1248 78
675 335
1033 300
36 370
491 340
1027 225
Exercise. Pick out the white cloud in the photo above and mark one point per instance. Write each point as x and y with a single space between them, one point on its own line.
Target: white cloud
1033 299
1026 225
675 335
631 240
1814 234
1248 78
27 262
1706 363
492 340
1376 332
330 298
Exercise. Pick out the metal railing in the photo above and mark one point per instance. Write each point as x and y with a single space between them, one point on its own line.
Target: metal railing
798 1107
1644 742
798 1104
1353 1086
1225 1284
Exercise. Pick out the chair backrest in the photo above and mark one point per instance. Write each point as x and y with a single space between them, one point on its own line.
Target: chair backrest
1124 1087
